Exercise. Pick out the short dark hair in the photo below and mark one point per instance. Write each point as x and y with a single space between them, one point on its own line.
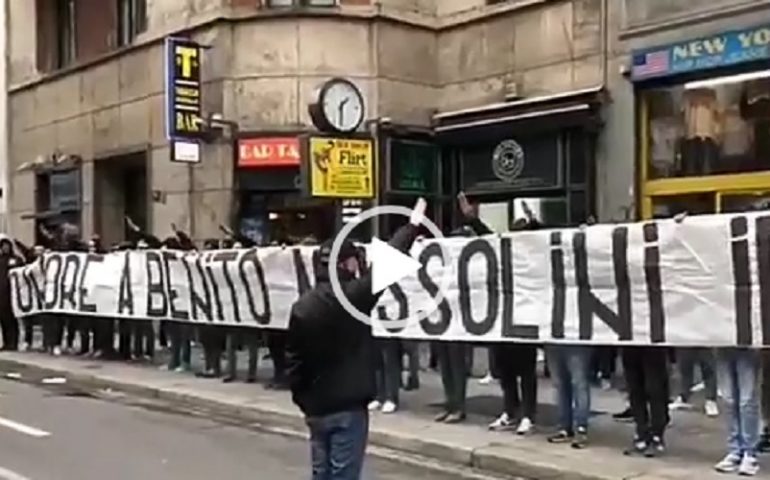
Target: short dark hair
347 250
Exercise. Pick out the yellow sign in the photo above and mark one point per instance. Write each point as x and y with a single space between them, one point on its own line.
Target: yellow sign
341 168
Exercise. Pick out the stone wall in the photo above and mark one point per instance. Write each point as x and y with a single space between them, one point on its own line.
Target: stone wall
262 70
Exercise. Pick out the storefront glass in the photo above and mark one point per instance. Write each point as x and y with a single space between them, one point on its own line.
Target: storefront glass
709 127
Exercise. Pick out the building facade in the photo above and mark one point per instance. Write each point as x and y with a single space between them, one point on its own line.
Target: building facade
702 89
529 105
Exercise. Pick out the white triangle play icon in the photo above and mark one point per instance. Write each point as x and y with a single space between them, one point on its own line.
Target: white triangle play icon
389 265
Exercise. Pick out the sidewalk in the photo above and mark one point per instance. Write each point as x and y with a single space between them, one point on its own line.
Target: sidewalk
695 442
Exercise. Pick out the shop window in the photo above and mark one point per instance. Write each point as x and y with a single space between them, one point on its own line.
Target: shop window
709 127
73 30
413 167
65 190
132 20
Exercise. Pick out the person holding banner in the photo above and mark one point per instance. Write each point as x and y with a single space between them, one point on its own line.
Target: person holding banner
330 358
250 337
738 373
516 364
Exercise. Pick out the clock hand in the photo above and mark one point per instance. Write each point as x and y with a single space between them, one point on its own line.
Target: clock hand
342 109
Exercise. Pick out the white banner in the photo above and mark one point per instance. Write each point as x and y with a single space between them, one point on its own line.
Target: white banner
705 281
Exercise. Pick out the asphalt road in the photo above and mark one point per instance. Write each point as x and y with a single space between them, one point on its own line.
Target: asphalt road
46 434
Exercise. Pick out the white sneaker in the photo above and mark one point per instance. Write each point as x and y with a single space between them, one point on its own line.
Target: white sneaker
487 380
749 466
698 387
605 384
24 347
375 405
679 404
729 464
389 407
56 351
712 408
525 426
502 424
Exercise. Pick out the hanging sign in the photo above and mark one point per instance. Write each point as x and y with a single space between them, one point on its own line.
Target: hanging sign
183 89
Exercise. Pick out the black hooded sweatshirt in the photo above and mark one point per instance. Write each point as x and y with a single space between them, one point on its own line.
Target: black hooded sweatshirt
330 363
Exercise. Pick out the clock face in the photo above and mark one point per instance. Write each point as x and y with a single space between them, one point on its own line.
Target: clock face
343 106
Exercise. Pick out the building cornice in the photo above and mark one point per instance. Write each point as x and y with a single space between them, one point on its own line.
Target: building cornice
435 24
690 18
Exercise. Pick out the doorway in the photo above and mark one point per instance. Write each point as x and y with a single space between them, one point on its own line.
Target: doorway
120 191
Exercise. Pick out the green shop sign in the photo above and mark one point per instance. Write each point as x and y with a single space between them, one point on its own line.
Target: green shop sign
413 166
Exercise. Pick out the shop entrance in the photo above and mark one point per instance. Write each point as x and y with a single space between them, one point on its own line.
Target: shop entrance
120 190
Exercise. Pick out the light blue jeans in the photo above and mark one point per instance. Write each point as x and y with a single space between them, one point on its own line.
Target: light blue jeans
570 365
338 444
738 373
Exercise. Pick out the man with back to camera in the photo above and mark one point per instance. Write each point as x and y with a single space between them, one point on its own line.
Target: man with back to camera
330 358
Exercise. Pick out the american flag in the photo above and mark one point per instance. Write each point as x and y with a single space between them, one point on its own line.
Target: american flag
651 63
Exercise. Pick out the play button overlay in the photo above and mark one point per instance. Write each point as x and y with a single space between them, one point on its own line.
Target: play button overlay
389 265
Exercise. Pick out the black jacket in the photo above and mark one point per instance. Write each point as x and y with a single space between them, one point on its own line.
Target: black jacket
330 362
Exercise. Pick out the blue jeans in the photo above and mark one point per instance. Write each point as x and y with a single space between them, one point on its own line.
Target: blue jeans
738 371
338 444
570 370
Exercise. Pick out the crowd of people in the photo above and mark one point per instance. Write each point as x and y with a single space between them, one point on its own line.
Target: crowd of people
338 373
131 339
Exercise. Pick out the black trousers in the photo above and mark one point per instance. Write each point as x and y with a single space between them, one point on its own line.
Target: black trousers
516 366
603 362
29 328
104 335
276 344
213 341
144 338
454 367
180 336
53 331
388 369
124 342
646 372
10 329
249 338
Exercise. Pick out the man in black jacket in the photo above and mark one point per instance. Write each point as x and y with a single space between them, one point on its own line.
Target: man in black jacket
330 359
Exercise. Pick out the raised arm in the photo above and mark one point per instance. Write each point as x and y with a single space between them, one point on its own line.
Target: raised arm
471 217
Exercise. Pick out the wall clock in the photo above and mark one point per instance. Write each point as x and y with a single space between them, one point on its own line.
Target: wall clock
337 106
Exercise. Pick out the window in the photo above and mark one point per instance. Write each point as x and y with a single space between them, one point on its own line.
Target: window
132 20
65 33
709 127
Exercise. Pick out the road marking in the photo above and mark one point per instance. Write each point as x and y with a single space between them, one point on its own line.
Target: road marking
6 474
21 428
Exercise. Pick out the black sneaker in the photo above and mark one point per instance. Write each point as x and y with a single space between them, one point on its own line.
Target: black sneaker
638 447
561 437
655 448
626 416
580 441
764 442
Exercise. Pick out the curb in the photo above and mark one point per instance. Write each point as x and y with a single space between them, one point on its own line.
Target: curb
484 459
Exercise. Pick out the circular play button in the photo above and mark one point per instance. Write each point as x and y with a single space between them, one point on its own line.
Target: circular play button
389 266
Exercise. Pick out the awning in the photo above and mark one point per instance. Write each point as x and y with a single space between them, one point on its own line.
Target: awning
50 214
531 115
